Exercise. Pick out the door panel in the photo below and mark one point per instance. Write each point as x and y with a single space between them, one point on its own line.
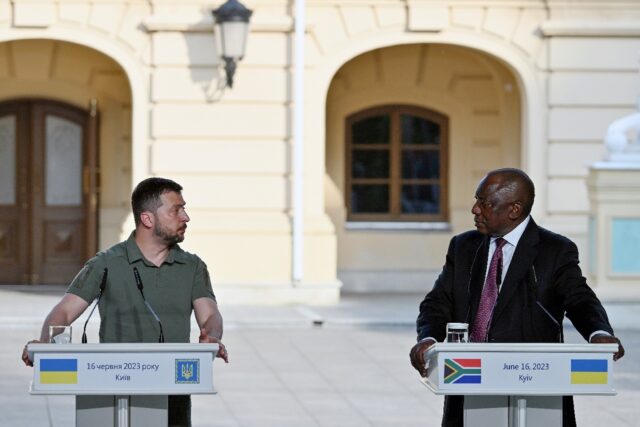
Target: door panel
62 162
14 203
8 156
54 201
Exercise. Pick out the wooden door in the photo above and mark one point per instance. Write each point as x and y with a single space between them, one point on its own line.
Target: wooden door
14 185
48 209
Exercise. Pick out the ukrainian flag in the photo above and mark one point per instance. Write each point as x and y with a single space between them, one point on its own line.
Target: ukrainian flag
58 371
589 371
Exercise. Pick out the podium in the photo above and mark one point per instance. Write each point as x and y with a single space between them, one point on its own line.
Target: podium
519 384
122 384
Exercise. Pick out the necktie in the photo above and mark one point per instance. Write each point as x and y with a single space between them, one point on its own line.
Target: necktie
489 296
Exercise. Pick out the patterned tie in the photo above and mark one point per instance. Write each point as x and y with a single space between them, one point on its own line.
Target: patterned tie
489 296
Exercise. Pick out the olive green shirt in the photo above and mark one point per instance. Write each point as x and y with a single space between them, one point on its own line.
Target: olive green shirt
169 289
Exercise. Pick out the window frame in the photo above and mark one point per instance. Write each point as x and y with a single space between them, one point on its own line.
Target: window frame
395 180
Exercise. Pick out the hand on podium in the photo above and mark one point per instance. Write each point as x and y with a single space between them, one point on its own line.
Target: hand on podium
26 357
417 355
609 339
206 338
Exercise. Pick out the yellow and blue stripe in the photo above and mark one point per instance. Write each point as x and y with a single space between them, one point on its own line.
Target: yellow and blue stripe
58 371
589 371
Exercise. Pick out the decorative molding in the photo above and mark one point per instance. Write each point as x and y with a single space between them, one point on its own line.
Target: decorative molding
204 24
427 16
397 226
566 28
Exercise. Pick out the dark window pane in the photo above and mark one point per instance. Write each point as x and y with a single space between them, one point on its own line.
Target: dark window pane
416 130
421 199
370 164
369 198
372 130
420 164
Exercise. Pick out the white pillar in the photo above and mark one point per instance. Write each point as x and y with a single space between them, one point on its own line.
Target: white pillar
298 150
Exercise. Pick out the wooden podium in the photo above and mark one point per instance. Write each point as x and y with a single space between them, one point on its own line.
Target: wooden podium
518 385
122 384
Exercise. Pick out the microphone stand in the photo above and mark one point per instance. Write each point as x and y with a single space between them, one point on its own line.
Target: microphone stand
103 285
534 285
153 313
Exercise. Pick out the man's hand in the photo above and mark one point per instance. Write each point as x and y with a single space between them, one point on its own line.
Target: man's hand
609 339
206 338
25 354
417 355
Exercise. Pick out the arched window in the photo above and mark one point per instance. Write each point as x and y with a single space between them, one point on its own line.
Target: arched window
397 164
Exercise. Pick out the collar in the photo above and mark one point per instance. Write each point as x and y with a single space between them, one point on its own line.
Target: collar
513 237
176 254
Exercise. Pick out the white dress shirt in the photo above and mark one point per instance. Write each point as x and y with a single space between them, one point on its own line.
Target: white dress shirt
512 238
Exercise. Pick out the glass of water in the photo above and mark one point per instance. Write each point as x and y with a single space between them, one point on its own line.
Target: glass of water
60 334
457 332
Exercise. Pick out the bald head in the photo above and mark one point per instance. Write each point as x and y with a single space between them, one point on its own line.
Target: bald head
516 186
503 200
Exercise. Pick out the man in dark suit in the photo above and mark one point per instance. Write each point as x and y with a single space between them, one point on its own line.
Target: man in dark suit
534 276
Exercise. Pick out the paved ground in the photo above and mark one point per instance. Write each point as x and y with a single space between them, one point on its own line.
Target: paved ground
301 366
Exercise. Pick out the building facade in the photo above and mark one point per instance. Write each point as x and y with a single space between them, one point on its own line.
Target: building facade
407 104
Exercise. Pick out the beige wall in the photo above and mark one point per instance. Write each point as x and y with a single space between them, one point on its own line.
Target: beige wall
524 82
478 95
592 82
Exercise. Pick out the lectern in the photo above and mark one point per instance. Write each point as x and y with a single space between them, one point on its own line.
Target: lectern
122 384
518 385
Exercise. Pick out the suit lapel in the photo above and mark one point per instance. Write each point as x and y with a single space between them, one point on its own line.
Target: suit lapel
521 262
476 277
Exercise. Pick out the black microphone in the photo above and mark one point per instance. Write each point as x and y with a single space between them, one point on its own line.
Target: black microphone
139 283
533 281
103 285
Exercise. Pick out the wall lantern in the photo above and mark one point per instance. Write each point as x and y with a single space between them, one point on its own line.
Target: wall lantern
231 22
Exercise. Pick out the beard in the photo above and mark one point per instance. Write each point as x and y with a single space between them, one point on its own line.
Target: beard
169 237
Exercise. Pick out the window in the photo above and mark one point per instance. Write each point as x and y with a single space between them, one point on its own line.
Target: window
397 165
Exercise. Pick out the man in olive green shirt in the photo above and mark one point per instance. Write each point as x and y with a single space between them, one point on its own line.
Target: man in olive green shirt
174 283
169 288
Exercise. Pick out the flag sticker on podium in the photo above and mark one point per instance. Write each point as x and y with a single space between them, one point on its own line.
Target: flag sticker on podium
462 371
589 371
187 371
58 371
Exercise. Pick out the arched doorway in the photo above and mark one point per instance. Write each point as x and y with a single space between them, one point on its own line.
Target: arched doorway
57 207
397 241
48 207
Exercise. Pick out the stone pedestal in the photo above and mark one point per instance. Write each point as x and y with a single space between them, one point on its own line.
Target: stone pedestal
614 229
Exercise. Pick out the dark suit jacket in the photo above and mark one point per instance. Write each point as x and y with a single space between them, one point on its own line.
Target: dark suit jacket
543 272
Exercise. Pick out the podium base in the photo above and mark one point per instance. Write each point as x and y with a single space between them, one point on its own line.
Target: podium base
512 411
121 411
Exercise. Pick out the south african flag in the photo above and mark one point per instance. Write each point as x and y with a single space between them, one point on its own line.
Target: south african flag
462 371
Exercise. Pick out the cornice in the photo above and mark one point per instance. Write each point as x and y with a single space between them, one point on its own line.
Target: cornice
588 28
204 24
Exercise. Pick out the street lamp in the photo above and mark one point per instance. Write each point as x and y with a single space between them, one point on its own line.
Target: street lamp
231 22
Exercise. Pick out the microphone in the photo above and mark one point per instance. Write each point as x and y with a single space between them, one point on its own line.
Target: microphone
139 283
534 289
103 285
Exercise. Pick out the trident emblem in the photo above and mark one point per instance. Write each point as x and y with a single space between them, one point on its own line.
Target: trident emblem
187 371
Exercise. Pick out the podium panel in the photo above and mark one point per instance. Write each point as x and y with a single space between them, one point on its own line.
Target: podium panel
515 385
521 369
124 369
122 384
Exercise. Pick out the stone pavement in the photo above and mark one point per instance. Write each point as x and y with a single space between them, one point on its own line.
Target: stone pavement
298 366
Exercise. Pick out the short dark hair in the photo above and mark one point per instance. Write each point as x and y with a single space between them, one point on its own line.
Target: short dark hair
146 195
523 183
